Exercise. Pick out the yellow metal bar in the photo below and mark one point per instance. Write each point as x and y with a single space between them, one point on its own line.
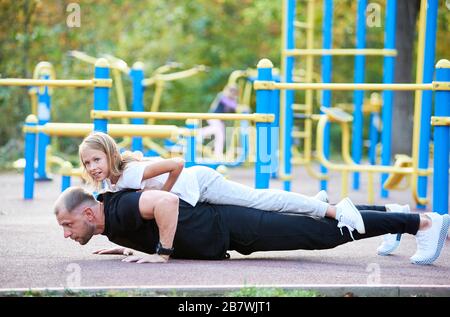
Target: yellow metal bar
156 99
370 191
236 74
156 147
354 167
341 52
114 62
441 86
56 82
418 99
303 25
300 134
271 85
298 107
165 68
33 98
313 173
174 76
83 57
256 117
44 68
114 130
440 121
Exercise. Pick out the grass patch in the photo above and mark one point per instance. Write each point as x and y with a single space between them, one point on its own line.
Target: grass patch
271 292
244 292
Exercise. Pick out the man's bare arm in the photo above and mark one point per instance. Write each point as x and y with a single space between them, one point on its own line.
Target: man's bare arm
163 207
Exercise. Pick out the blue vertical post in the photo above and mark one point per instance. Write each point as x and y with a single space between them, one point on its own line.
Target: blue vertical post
263 164
358 96
441 141
275 103
388 78
137 104
190 149
326 78
244 140
43 112
101 94
66 170
289 94
427 95
373 136
30 152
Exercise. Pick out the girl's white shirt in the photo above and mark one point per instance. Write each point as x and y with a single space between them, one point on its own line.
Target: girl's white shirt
186 187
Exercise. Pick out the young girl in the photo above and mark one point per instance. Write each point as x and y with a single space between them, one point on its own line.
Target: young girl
104 165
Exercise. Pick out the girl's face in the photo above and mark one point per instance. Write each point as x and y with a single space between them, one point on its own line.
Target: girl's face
96 164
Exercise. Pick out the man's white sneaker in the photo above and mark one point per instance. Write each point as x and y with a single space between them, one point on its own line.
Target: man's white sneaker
322 196
348 216
431 241
392 241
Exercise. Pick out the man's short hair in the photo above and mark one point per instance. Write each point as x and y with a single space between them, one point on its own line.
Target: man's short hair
72 198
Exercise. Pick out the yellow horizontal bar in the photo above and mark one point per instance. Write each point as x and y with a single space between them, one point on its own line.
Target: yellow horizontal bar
303 25
271 85
56 82
299 134
440 85
298 107
174 76
114 130
256 117
340 52
440 121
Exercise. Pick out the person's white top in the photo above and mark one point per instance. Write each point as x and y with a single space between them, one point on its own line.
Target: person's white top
186 187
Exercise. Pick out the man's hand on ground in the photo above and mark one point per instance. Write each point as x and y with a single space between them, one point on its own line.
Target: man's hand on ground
146 258
117 250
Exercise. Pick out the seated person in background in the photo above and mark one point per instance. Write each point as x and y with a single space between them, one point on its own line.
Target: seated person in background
225 102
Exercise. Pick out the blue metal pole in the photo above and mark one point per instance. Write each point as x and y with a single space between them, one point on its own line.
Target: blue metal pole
263 163
30 152
358 96
65 182
427 95
326 78
66 170
388 78
44 101
137 104
289 94
101 94
441 141
275 125
190 150
373 136
244 138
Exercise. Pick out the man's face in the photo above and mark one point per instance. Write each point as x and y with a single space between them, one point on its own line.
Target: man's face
76 225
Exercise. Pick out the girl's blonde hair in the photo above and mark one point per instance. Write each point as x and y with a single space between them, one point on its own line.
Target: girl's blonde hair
116 162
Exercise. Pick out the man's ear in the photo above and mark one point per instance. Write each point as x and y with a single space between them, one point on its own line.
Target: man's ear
89 213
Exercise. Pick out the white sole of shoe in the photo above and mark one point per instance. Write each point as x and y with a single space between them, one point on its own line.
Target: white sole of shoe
442 238
393 248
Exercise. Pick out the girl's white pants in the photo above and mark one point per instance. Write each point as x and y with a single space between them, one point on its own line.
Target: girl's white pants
215 189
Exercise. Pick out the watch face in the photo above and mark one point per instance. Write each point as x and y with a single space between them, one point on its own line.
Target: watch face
163 251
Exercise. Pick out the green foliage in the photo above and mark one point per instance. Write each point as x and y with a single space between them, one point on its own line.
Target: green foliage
224 35
272 292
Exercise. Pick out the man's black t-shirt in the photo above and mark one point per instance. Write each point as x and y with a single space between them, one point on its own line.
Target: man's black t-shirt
200 232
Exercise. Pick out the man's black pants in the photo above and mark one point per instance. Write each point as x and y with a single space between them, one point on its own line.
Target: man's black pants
255 230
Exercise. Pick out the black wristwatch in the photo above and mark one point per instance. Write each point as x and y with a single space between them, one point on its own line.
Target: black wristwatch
163 251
